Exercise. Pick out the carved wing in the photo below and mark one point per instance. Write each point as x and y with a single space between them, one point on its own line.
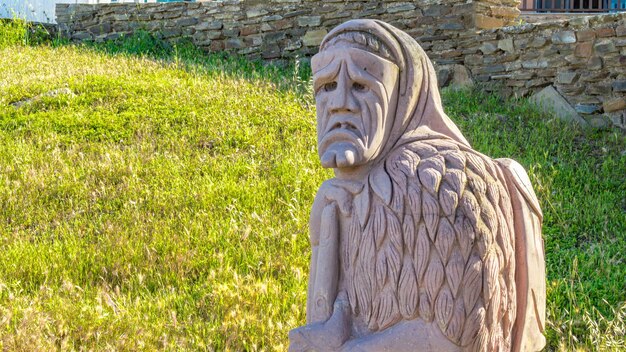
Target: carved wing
437 244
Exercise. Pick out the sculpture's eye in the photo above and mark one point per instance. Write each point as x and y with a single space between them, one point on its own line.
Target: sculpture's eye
358 87
329 87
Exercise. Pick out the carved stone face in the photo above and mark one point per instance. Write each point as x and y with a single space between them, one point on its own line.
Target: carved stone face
355 94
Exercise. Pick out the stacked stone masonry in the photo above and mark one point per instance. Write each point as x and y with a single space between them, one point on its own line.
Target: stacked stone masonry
278 29
583 57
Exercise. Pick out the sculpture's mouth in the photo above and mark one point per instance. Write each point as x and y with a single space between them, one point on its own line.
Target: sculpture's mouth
345 125
341 134
342 125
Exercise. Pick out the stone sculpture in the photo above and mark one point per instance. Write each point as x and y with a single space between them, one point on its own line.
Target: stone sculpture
419 243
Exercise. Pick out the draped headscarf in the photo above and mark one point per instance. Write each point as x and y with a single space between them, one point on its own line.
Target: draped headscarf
419 114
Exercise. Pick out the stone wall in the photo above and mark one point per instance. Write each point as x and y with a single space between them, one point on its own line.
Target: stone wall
583 57
278 29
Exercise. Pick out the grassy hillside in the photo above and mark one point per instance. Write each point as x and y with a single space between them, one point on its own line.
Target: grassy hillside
152 197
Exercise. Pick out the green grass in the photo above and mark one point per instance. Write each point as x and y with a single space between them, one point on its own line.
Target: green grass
163 204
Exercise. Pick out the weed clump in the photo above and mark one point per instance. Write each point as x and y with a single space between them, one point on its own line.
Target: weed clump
19 32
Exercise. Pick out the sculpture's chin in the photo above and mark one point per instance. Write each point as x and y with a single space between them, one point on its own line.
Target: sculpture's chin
340 155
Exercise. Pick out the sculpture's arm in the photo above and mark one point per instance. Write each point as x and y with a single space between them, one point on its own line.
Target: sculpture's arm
314 238
334 197
327 266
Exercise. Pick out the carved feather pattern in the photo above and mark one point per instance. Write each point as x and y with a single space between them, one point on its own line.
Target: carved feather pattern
407 163
408 284
505 304
473 323
379 226
454 271
490 166
430 208
464 235
354 237
488 216
493 310
399 181
434 277
445 239
443 308
455 160
477 184
381 268
380 182
426 308
388 311
394 264
472 282
482 239
443 145
394 168
422 253
493 192
457 179
448 200
352 294
348 259
430 179
490 279
437 245
364 275
397 200
481 340
395 230
363 293
422 149
415 202
475 163
436 163
503 240
361 208
455 327
409 235
470 207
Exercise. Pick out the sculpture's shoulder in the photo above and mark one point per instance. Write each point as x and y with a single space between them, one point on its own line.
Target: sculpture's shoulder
443 163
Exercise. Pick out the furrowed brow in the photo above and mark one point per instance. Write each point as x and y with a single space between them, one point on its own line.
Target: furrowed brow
326 75
358 75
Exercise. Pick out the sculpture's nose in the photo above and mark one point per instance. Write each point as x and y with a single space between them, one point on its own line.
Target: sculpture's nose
342 99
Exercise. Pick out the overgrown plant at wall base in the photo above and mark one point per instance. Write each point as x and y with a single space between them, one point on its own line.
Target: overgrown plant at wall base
20 32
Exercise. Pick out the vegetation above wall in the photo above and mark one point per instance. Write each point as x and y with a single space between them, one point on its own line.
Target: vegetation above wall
154 197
